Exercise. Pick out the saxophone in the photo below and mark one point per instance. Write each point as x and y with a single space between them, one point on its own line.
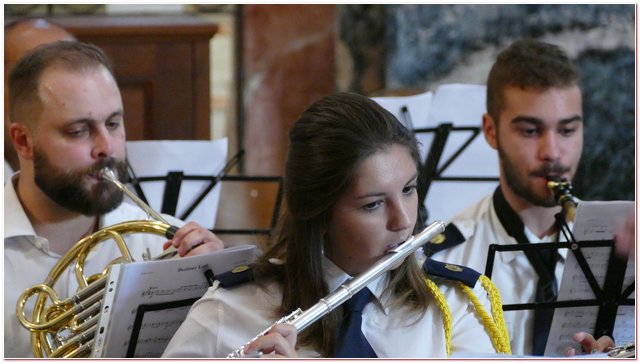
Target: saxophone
563 193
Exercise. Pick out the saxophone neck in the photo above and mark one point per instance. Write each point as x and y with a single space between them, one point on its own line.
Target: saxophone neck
563 194
569 209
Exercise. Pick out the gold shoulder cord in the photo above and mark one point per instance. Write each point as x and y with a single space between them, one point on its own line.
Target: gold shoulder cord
444 308
494 323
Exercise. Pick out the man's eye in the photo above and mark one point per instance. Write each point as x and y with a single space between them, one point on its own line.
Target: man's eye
567 131
77 132
112 125
529 132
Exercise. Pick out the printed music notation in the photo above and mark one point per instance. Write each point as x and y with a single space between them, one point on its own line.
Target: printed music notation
597 220
152 158
594 221
162 283
157 291
156 330
159 325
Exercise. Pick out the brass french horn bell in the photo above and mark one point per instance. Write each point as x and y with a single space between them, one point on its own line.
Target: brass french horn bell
65 327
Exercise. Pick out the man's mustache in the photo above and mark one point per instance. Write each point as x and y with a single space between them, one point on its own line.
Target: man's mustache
112 163
550 168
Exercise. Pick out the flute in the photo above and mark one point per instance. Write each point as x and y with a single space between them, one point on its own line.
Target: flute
302 319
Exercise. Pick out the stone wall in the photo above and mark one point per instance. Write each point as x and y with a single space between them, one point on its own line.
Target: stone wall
427 45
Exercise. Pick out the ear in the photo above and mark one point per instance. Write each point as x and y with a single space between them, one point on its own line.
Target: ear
22 140
489 128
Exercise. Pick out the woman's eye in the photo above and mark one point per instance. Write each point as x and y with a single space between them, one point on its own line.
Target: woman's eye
372 206
408 189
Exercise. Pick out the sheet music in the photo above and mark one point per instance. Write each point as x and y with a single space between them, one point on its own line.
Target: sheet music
154 282
462 105
597 220
458 103
594 221
418 107
157 329
193 157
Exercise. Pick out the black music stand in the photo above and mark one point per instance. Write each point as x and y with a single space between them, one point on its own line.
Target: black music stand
608 297
170 323
173 181
430 171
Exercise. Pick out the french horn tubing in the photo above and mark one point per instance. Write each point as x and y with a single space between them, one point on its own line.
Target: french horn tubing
302 319
65 327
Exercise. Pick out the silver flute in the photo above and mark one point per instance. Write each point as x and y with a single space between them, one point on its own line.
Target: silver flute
302 319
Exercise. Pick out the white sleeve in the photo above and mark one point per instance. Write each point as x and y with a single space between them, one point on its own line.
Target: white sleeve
198 334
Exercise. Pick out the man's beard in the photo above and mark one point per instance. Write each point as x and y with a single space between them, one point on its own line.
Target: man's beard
68 190
520 185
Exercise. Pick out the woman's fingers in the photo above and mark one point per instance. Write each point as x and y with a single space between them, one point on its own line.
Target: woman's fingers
280 341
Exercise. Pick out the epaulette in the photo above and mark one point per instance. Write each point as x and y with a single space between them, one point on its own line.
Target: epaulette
238 275
466 275
451 237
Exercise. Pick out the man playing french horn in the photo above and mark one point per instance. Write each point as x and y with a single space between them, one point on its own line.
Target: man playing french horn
534 120
67 123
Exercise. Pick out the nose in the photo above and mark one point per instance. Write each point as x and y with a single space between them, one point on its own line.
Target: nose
549 147
102 144
400 217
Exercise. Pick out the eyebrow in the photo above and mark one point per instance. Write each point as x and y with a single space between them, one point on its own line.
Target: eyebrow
537 121
413 178
86 120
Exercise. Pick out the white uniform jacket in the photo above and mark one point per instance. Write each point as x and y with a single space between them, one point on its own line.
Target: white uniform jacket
225 319
512 273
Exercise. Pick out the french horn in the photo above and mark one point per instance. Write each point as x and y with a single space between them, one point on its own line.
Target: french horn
64 328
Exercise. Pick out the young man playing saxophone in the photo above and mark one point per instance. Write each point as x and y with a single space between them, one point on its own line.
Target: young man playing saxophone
534 120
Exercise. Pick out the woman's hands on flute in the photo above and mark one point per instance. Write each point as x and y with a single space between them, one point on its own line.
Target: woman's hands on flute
279 341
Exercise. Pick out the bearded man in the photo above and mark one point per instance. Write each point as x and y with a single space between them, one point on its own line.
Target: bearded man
67 122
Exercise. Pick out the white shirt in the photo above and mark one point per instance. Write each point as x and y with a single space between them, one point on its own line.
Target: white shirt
28 261
8 171
225 319
512 273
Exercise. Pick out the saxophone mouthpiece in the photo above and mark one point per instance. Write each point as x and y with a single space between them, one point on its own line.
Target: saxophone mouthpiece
563 194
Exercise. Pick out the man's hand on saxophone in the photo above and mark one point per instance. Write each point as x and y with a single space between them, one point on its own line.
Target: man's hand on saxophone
589 344
625 236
